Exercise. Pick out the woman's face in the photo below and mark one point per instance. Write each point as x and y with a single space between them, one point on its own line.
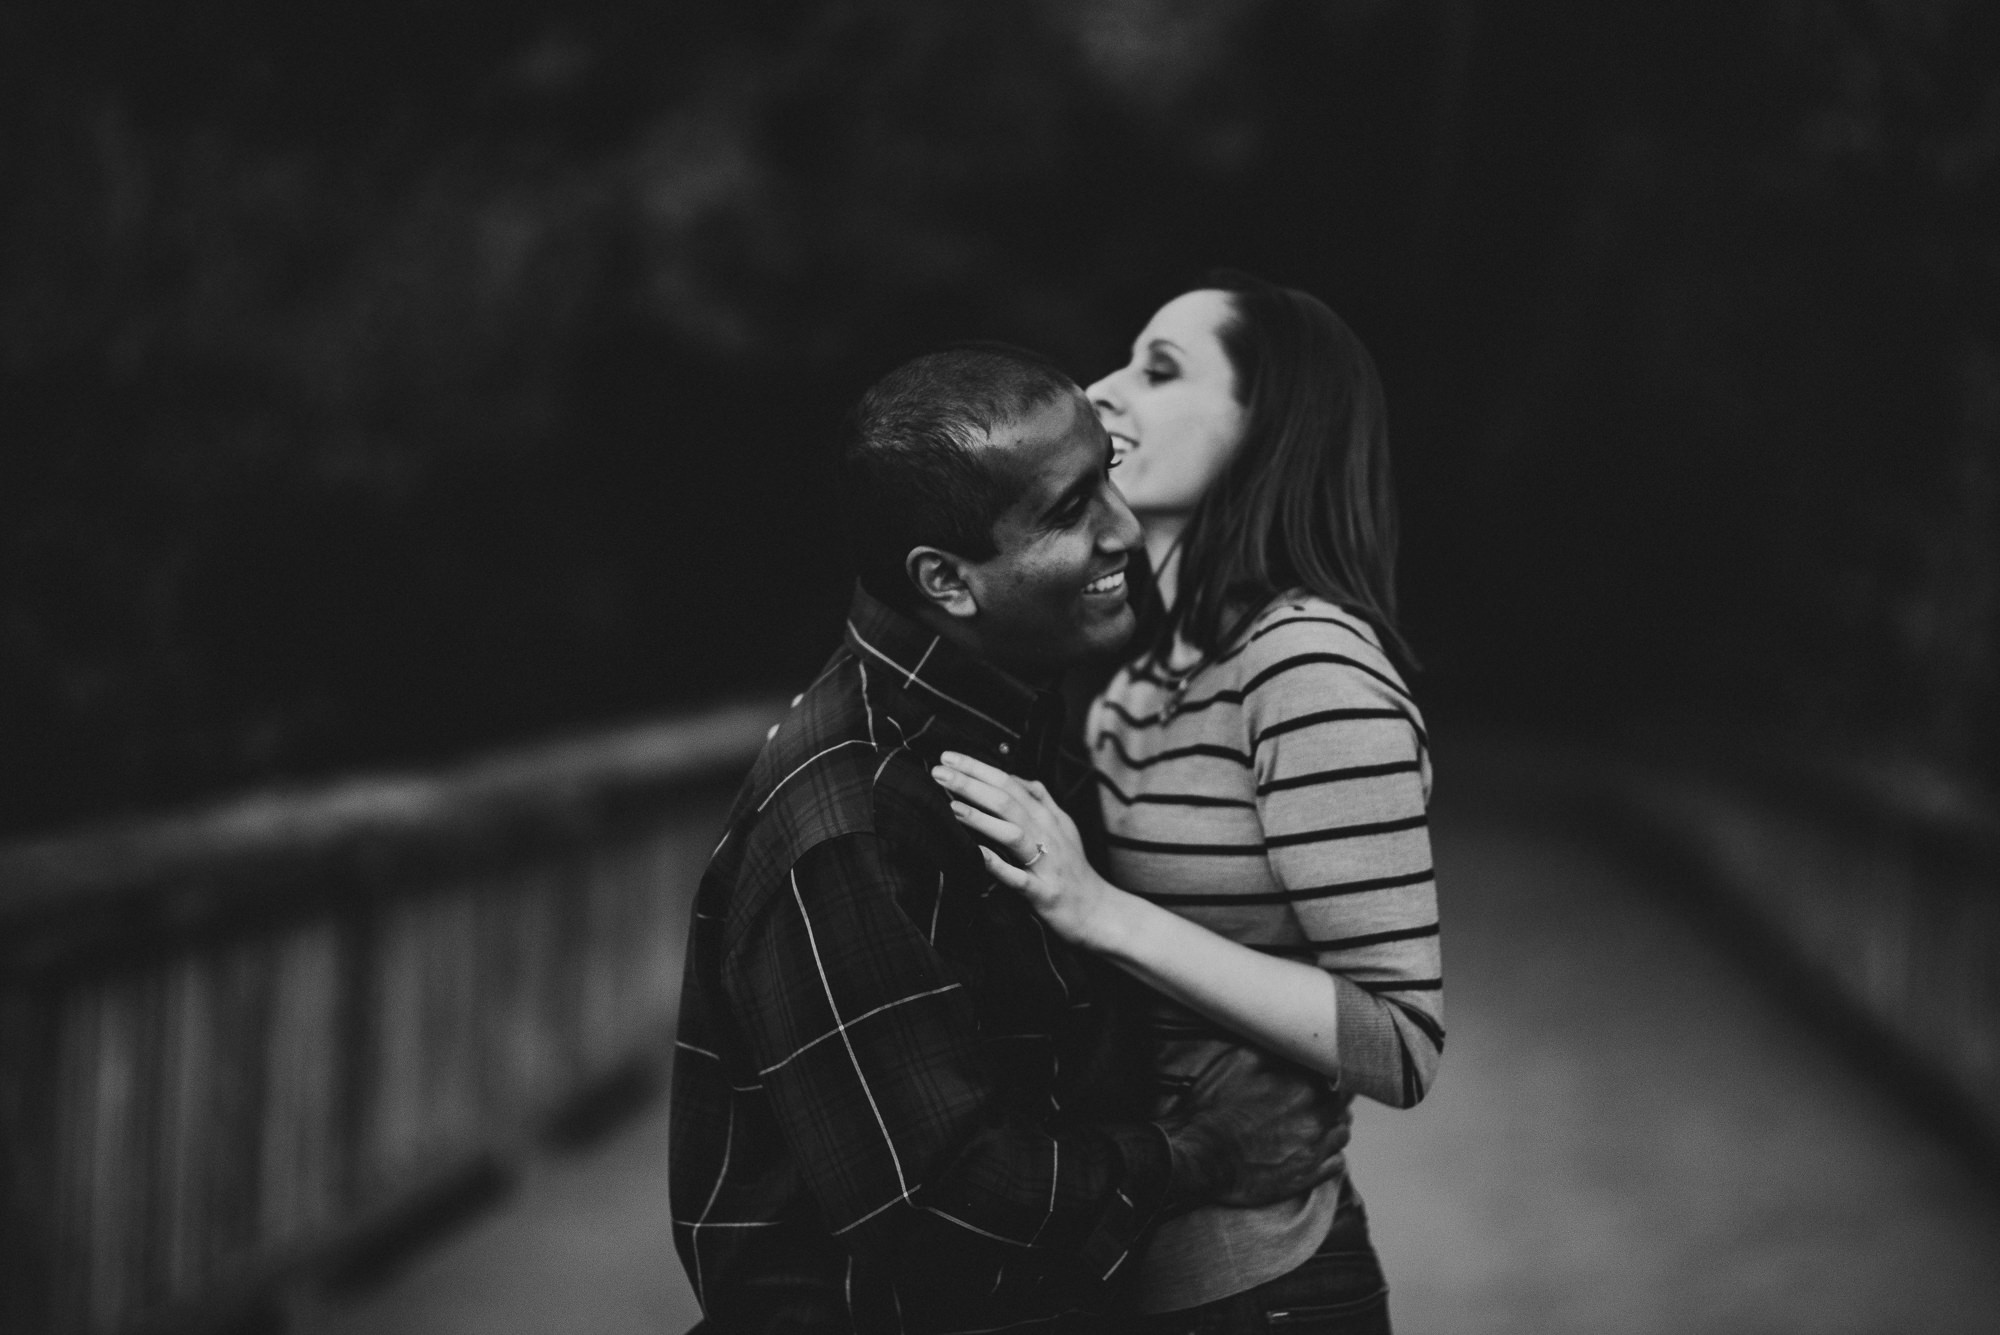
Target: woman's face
1172 410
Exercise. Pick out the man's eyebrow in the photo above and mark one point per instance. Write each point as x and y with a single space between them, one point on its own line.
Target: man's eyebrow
1087 483
1069 496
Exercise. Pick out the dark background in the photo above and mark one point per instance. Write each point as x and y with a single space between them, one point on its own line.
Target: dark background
384 382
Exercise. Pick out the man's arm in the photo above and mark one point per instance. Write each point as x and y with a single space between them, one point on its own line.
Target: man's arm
870 1052
869 1049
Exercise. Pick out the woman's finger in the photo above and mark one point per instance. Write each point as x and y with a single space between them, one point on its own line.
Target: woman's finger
1005 833
981 794
1026 792
988 778
978 769
1045 818
1027 804
1005 872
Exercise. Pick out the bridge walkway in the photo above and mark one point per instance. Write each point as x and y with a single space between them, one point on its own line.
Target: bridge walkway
1632 1134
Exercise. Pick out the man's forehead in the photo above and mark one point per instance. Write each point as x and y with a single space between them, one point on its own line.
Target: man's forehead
1031 448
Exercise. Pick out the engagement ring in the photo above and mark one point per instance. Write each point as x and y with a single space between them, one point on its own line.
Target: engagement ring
1039 850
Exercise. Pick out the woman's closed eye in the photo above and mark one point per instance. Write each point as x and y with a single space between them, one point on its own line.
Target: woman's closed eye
1159 371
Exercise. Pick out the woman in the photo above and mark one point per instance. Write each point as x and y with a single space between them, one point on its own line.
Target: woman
1263 771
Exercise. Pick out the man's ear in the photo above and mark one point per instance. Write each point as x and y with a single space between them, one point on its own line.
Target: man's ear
940 579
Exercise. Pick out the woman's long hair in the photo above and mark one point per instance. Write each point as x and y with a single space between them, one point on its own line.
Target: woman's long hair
1308 501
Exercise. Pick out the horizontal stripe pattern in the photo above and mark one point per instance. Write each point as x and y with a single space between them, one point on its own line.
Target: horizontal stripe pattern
1290 895
1310 948
1112 791
1183 850
1199 751
1314 778
1319 716
1278 795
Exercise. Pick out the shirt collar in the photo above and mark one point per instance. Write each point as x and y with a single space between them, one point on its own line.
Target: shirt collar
937 677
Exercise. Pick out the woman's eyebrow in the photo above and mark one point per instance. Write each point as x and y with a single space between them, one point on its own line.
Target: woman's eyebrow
1167 343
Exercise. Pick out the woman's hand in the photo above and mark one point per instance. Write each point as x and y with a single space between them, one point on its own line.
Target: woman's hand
1044 855
1285 1006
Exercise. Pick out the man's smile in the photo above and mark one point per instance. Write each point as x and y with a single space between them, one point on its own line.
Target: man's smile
1111 583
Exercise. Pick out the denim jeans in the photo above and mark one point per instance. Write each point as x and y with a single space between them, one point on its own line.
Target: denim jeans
1338 1290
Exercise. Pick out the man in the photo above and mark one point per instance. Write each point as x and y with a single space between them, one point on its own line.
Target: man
900 1104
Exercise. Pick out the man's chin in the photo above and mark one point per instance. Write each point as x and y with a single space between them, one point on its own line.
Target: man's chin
1110 634
1053 647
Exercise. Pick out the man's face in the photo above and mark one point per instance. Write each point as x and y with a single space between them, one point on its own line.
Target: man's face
1055 591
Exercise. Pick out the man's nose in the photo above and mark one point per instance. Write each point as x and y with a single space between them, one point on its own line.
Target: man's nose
1124 532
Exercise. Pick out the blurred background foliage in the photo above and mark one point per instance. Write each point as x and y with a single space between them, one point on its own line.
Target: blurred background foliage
380 381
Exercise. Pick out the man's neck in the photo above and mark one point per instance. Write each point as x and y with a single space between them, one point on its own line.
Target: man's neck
958 632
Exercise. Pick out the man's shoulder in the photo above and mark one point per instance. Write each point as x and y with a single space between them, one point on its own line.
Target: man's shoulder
814 772
823 774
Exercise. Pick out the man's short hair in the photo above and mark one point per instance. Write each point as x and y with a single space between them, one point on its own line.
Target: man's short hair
913 471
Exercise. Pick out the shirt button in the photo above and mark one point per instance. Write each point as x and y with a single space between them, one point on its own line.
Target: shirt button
1004 749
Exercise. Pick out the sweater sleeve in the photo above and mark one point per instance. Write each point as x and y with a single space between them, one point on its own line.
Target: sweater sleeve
1342 783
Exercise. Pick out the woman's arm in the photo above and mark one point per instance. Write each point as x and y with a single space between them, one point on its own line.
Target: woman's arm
1341 772
1341 790
1284 1006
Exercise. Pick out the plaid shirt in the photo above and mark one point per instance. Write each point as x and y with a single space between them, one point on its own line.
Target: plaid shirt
900 1103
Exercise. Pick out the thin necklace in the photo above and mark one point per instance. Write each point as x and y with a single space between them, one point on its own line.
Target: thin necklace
1178 681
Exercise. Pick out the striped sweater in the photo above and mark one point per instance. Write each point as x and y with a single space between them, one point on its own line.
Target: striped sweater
1277 795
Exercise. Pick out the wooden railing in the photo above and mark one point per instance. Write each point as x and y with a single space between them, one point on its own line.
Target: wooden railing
233 1043
1877 892
1869 895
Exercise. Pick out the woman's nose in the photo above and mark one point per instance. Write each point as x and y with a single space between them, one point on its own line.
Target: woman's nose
1102 396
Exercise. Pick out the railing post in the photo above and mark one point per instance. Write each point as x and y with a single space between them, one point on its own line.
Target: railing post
233 1044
